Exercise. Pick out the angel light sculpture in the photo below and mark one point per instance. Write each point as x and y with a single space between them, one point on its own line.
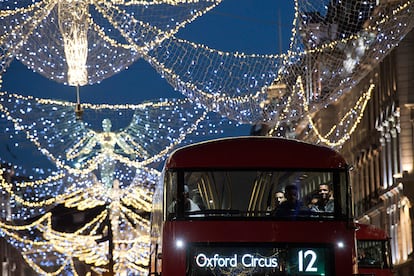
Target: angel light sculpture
110 144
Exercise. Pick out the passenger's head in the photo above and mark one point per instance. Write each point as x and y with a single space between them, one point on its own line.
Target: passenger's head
291 192
186 191
325 191
279 197
314 199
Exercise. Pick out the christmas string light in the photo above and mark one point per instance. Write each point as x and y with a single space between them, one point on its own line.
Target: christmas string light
330 65
326 53
356 111
35 116
148 123
61 29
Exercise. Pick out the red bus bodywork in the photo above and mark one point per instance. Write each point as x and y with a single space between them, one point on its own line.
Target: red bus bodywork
257 152
244 153
375 237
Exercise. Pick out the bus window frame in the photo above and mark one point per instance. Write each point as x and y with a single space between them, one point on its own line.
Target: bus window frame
339 175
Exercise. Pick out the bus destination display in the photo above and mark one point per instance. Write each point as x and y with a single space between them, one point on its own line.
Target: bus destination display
254 260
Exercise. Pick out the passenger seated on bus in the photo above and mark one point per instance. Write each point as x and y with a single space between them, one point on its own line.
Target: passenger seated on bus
366 259
313 202
292 205
277 198
326 199
189 204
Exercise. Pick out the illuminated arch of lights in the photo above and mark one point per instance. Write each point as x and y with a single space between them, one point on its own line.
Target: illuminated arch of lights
92 173
333 46
81 34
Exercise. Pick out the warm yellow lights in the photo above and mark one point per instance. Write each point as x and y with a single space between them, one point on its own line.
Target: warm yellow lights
80 41
95 182
130 238
73 25
356 111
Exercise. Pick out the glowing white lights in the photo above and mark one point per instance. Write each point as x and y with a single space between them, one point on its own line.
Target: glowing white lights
100 167
86 41
73 26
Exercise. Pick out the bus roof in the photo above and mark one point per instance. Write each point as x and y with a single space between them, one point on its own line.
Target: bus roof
255 152
370 232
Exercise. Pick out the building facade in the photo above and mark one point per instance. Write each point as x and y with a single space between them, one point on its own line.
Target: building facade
381 149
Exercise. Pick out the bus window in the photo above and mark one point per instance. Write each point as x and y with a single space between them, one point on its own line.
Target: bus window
374 252
370 254
250 193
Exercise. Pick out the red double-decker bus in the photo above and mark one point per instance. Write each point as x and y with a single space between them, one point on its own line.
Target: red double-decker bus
374 251
216 210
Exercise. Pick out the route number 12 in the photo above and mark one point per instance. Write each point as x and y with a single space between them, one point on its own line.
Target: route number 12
307 261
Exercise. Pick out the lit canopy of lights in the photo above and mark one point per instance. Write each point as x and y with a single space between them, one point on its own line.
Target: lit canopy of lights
334 44
96 167
79 42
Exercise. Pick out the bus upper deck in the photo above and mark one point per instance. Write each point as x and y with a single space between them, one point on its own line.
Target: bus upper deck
243 178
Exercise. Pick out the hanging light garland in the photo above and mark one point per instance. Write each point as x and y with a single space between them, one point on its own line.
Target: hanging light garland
354 115
62 41
45 121
330 57
328 54
40 119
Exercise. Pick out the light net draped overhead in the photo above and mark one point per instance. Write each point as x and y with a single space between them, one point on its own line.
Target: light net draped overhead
80 42
96 145
334 44
95 166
